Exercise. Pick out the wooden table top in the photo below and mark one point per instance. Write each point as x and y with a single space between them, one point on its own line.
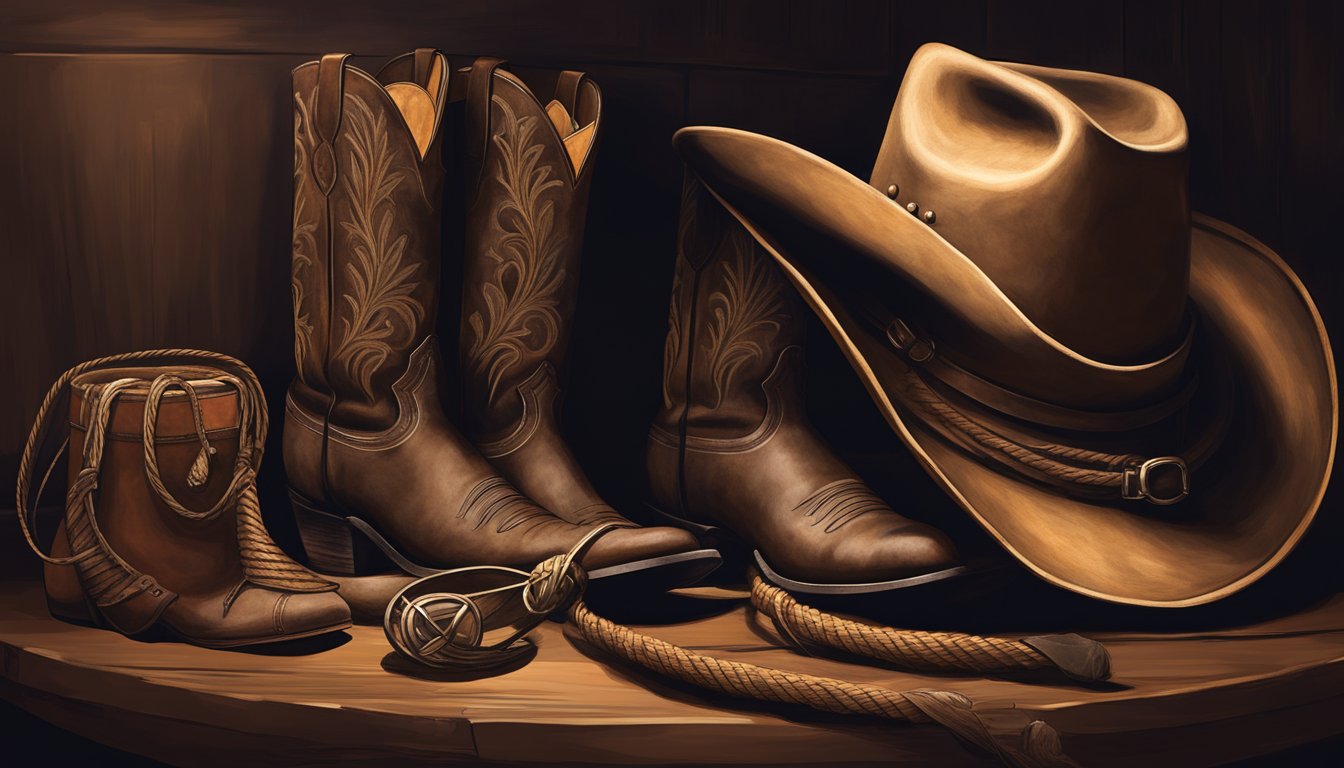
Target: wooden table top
1192 698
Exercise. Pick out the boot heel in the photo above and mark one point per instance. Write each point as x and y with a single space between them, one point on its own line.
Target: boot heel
735 554
78 612
709 534
332 545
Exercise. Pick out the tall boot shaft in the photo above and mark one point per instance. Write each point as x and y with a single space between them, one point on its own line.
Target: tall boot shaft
368 181
731 317
528 171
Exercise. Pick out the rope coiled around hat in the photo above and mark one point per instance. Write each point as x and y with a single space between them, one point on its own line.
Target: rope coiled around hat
1063 464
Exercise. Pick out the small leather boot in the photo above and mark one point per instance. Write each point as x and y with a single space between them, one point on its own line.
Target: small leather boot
162 529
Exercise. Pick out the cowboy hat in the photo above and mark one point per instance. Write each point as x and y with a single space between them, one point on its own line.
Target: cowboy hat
1138 404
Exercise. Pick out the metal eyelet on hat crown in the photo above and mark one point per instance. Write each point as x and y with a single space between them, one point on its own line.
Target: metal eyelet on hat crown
912 207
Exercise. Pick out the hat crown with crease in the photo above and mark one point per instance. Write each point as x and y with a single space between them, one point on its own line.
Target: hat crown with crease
1067 189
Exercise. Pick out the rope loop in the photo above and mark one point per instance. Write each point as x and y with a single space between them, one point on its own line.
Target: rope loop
553 583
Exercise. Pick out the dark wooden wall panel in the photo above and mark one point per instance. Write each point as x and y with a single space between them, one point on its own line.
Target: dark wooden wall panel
806 36
144 170
146 207
1311 200
1058 33
811 112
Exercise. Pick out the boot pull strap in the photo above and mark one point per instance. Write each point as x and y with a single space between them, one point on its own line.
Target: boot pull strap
567 91
424 61
327 110
480 84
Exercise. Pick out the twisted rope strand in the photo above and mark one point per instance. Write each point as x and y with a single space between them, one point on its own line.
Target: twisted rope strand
1037 457
740 679
911 649
1037 744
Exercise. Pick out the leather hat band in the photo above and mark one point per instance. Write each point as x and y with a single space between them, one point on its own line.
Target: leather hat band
921 351
1160 480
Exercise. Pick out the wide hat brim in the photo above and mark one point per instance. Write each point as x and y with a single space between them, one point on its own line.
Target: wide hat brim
1248 506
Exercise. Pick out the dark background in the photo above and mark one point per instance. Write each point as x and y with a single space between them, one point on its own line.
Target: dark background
145 161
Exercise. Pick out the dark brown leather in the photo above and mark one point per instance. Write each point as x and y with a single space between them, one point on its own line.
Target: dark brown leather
365 433
524 241
732 445
185 575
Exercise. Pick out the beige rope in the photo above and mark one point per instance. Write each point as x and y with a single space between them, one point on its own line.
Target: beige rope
740 679
243 473
1107 472
911 649
1037 745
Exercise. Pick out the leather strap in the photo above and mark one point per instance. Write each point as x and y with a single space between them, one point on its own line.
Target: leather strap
327 111
330 92
921 352
567 91
480 86
424 64
137 607
1047 414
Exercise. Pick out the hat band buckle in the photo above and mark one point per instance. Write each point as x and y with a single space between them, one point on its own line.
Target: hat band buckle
1137 482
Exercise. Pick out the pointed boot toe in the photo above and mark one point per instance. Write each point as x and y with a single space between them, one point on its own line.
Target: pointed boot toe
256 616
306 615
627 545
910 550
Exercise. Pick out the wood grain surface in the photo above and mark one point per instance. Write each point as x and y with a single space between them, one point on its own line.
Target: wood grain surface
1178 699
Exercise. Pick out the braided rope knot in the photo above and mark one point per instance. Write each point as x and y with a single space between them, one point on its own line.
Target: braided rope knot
553 583
84 484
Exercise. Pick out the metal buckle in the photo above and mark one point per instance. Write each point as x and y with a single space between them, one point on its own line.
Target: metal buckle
916 348
1136 481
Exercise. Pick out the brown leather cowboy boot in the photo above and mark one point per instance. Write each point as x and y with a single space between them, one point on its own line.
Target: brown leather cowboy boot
162 529
731 446
529 171
370 456
529 168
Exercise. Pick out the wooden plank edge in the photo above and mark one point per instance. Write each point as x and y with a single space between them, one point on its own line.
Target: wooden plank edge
170 723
